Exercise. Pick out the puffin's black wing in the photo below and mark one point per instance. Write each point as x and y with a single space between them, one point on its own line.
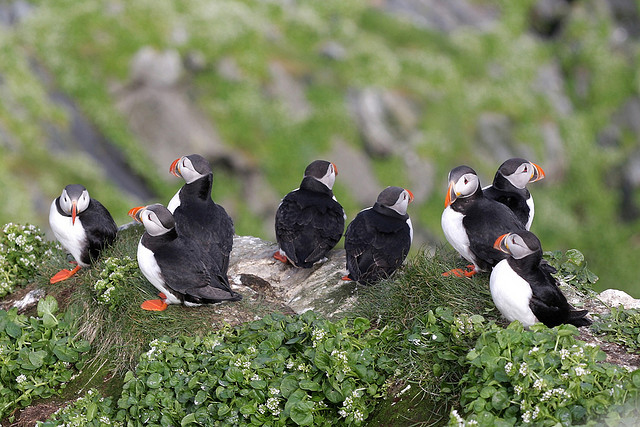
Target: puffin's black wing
358 244
549 304
484 222
515 201
187 270
308 225
100 229
224 231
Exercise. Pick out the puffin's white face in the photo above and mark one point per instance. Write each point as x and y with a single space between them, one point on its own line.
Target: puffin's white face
330 177
513 245
401 205
525 173
72 206
184 168
465 186
152 223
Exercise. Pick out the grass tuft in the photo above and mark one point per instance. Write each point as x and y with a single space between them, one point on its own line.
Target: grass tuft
420 287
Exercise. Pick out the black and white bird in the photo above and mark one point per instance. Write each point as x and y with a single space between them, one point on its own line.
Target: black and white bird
197 216
378 239
510 187
471 222
309 221
176 265
82 225
523 289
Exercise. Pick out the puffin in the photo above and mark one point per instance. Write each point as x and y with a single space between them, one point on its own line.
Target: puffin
82 225
175 264
309 221
510 187
378 239
522 289
196 215
471 222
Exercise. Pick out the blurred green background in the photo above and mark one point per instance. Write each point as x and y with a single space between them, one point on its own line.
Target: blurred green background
396 92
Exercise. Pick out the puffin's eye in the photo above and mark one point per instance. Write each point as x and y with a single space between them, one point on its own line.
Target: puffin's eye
525 169
466 181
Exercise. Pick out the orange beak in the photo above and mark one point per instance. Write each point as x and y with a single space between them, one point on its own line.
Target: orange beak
335 168
500 243
174 168
74 212
135 213
451 195
410 195
538 173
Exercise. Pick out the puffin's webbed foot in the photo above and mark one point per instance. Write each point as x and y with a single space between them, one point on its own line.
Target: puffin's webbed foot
63 274
278 255
458 272
154 305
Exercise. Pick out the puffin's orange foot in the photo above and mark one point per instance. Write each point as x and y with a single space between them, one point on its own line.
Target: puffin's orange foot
64 274
458 272
278 255
347 278
154 305
162 296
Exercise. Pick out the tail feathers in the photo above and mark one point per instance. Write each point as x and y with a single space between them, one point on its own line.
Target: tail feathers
577 318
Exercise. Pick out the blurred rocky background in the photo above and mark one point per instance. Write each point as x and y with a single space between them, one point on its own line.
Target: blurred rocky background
108 93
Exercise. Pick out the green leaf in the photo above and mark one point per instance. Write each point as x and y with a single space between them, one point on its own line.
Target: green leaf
500 399
223 410
360 325
65 354
189 419
36 358
301 413
289 385
309 385
234 374
154 380
46 308
322 361
13 330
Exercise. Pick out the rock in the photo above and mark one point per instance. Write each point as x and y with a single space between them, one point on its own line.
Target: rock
152 68
333 50
626 16
615 298
162 118
445 16
355 172
494 136
228 68
253 269
289 91
548 16
13 12
551 83
386 120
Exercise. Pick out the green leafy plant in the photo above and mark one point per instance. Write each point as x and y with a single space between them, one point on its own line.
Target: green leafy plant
437 346
110 288
21 249
572 269
621 326
37 354
90 410
542 376
275 371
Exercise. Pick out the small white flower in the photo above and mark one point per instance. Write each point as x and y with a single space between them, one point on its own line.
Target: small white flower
523 369
358 416
517 389
533 350
538 384
526 417
508 368
21 378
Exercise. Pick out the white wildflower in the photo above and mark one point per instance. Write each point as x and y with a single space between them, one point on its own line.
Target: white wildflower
523 369
21 378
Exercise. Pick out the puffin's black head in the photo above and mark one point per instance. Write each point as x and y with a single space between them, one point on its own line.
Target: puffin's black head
157 219
463 182
323 171
519 172
396 198
74 200
190 168
518 244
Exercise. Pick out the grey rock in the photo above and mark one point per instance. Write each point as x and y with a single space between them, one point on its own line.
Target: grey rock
616 298
318 288
547 16
159 69
355 172
228 68
494 136
445 16
333 50
551 84
289 91
386 120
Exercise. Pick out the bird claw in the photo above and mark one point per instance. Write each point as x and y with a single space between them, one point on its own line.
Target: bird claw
346 278
63 274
